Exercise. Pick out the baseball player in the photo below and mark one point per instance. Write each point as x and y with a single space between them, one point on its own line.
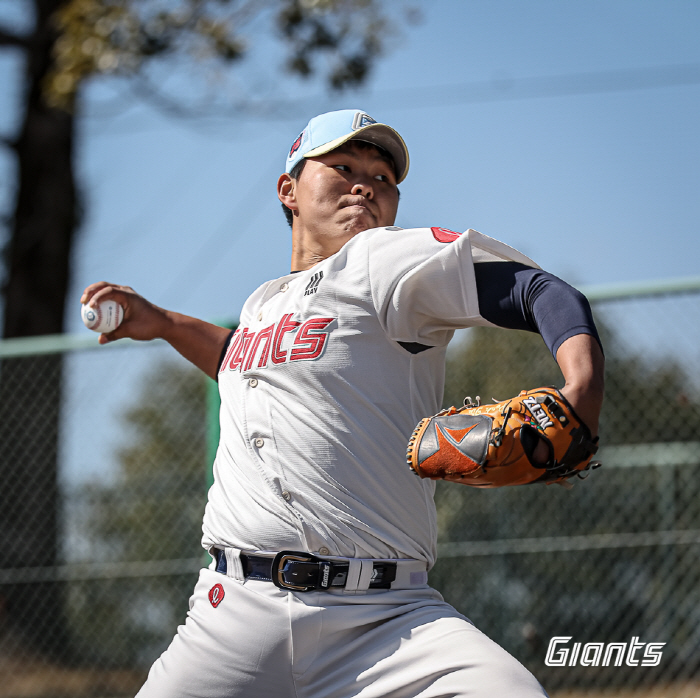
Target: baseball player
321 536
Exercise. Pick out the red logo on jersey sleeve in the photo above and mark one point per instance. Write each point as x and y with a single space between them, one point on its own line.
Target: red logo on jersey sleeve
216 595
444 235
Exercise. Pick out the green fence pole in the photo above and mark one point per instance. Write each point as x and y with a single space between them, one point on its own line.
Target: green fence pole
213 407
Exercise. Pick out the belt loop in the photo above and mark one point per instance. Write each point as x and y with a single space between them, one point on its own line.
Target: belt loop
418 579
234 566
365 575
359 575
354 571
411 574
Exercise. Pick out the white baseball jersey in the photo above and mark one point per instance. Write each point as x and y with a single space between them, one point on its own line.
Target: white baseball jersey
319 397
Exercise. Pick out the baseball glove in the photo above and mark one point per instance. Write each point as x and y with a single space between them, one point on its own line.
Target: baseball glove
493 445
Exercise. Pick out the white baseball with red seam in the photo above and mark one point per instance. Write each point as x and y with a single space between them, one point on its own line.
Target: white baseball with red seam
104 317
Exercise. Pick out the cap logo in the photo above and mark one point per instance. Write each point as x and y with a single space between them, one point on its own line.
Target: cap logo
297 143
361 120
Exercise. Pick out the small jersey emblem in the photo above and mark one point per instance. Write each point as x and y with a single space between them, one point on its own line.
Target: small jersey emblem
216 595
312 286
444 235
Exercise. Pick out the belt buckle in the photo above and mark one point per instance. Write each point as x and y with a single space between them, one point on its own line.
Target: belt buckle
278 569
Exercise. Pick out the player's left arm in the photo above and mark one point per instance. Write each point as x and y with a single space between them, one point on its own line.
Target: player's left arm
516 296
582 363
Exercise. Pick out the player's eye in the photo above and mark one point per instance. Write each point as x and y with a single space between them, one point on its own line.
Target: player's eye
343 168
382 178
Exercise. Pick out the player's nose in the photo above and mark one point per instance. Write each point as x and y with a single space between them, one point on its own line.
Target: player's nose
362 189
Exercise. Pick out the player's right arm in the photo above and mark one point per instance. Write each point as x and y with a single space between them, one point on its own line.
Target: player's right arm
198 341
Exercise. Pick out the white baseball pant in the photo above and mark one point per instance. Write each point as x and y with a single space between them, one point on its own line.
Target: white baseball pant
250 639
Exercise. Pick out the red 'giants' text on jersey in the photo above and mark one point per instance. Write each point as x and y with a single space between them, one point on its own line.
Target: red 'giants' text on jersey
308 343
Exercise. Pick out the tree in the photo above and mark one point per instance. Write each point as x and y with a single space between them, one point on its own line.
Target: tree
71 43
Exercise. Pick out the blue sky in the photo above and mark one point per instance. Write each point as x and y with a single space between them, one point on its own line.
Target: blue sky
596 181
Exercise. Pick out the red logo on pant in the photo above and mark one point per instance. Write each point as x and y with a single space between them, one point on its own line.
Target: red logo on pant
216 595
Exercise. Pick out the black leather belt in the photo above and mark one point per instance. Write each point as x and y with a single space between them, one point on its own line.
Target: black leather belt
298 571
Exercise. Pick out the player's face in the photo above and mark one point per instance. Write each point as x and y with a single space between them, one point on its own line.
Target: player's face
344 192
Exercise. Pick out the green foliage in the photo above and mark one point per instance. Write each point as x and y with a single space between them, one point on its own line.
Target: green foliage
495 364
119 37
152 512
649 402
164 468
354 30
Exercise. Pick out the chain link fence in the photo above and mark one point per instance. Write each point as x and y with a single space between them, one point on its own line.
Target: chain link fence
106 455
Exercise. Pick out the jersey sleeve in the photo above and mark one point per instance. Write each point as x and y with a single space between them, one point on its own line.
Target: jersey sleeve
423 281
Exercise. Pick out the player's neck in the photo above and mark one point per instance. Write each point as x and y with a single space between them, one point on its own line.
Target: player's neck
308 249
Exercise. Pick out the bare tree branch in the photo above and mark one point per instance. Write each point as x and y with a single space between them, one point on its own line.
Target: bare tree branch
10 38
7 142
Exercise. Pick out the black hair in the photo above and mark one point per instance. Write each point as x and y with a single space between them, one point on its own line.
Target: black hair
360 145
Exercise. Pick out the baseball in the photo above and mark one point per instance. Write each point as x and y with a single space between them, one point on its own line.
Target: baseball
105 317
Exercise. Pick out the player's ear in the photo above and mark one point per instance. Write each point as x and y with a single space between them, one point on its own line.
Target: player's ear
286 191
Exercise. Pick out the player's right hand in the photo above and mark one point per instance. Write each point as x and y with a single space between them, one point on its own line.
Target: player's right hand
142 319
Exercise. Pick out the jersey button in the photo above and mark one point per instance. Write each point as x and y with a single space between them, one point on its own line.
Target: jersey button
286 496
323 551
284 287
259 442
253 382
260 315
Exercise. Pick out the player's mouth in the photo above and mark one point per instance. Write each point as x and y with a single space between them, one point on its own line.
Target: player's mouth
360 202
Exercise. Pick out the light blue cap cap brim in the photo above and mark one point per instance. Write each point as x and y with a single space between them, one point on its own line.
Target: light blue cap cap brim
328 131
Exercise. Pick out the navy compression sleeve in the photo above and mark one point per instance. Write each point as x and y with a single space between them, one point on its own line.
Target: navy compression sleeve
519 297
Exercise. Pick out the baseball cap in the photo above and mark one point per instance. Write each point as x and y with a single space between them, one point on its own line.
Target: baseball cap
329 131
